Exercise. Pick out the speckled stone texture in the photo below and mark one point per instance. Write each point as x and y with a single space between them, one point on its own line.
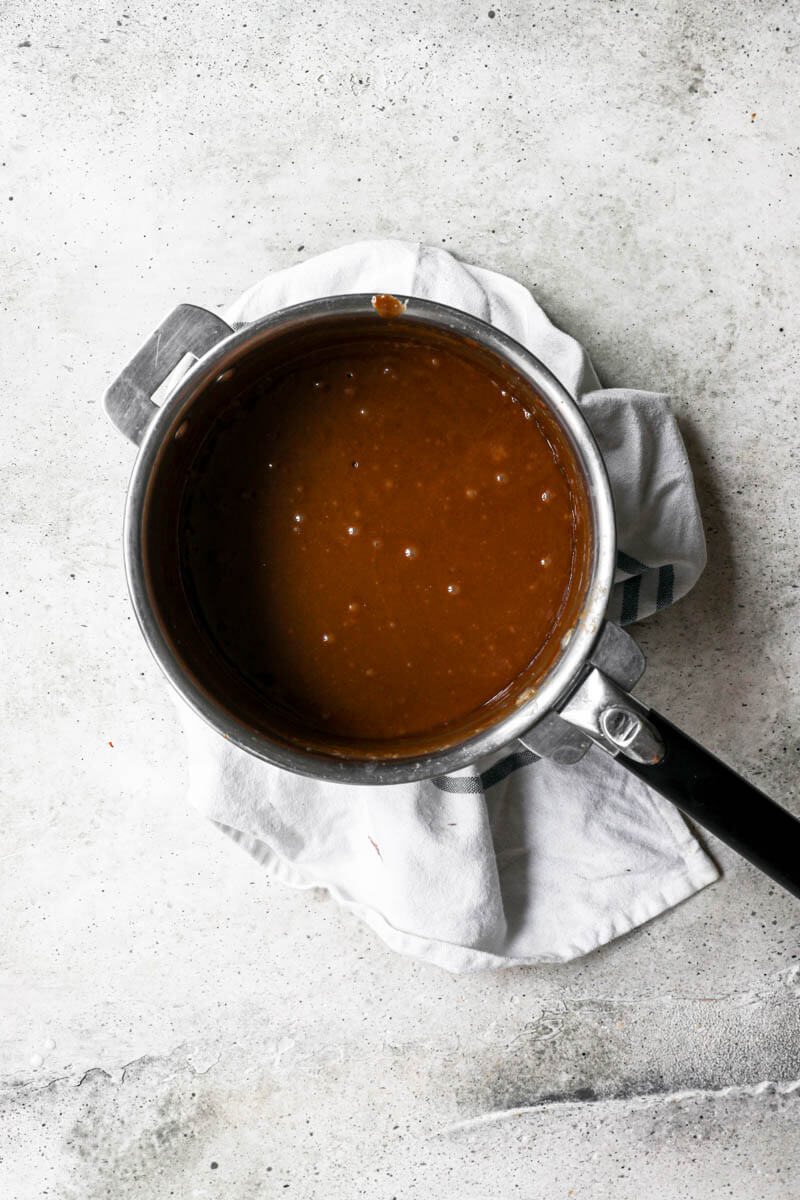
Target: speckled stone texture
173 1024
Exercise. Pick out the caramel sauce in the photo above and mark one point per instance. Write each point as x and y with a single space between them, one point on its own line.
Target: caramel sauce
388 306
384 540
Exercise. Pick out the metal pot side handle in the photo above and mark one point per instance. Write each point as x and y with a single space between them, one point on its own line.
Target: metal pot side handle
698 783
187 330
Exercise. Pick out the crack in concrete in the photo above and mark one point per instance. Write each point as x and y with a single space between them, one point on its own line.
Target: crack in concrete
645 1100
92 1071
117 1075
151 1060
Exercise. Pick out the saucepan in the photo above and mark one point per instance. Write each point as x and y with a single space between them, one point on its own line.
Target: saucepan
583 700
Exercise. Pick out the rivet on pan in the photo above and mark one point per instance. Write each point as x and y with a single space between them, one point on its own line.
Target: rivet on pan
567 755
181 430
226 375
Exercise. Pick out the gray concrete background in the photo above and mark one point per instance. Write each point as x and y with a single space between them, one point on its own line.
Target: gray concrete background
173 1024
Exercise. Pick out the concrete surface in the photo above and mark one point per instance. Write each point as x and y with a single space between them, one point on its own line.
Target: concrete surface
172 1023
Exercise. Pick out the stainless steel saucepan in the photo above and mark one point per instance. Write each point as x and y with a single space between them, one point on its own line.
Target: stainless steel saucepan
584 698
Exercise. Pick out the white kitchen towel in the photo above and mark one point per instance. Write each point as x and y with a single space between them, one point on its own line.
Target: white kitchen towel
515 860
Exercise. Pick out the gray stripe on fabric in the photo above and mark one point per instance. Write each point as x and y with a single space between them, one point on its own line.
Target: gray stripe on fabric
630 599
470 784
666 585
629 564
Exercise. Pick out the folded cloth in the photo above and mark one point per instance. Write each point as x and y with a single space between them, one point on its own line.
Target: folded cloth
515 860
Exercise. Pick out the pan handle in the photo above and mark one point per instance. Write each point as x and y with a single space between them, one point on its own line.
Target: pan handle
697 782
187 330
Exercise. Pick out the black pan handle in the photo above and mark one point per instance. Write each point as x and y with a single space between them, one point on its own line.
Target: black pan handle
724 803
702 786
